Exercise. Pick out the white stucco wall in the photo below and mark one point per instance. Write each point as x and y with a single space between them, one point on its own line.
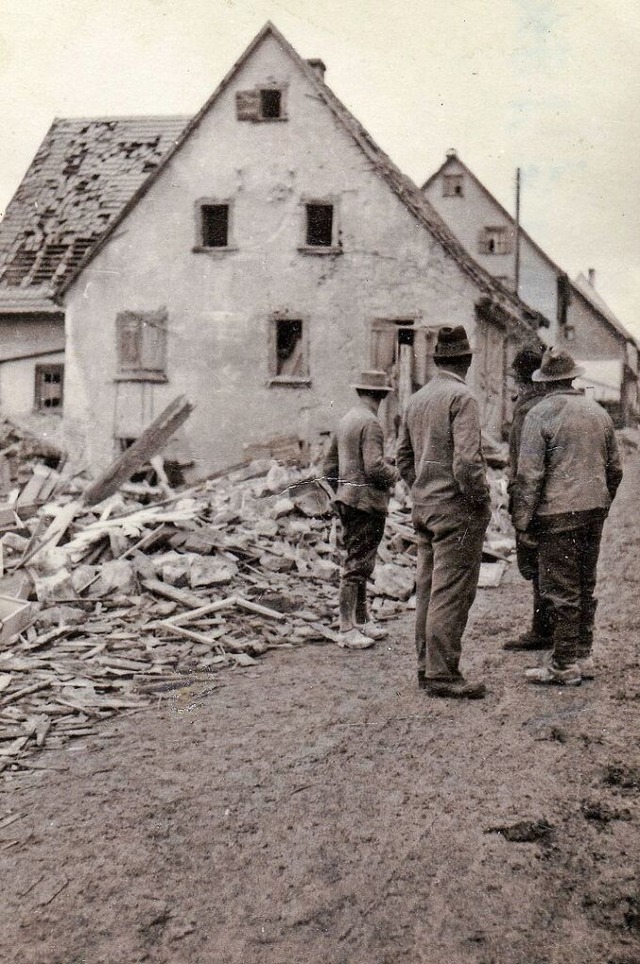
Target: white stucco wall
468 214
219 303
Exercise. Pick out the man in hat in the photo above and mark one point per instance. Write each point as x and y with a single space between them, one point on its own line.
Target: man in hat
569 470
440 457
356 469
529 393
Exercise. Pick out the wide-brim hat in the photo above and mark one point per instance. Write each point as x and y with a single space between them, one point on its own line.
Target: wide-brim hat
557 366
452 343
375 382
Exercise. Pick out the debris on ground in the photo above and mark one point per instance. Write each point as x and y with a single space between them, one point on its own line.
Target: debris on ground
107 604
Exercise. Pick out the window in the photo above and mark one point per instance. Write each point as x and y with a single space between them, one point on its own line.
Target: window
453 185
142 343
49 388
214 225
289 361
270 103
319 225
495 240
261 104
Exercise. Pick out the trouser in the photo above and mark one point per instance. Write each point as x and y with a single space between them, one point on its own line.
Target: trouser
568 563
361 535
528 564
449 556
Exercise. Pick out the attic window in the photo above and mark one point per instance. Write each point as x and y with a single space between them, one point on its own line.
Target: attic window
319 225
270 103
214 225
261 104
289 361
453 185
494 240
49 385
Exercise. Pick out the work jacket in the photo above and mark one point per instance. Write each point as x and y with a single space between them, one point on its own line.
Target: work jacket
568 460
439 449
355 465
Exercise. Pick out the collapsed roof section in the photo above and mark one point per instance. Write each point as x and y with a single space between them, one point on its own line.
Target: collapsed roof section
81 177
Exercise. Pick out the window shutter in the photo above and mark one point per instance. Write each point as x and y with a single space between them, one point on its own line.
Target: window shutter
154 340
142 340
383 347
248 105
483 242
129 341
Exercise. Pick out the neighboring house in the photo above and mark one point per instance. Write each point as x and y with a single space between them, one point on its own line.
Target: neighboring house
82 175
576 315
273 254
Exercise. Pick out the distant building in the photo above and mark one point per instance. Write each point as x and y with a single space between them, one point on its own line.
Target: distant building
575 313
267 257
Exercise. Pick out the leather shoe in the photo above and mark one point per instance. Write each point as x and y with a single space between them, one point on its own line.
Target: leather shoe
455 689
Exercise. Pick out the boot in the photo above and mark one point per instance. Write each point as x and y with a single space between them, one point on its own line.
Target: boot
363 622
348 599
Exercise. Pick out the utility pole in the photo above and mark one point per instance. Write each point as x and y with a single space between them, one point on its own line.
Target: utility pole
517 239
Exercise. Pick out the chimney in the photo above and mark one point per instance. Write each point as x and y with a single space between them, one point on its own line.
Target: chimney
318 67
452 152
592 277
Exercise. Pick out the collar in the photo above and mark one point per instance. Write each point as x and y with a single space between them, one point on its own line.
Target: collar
441 373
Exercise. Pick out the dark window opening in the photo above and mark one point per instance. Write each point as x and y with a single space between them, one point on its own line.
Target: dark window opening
215 225
452 185
271 103
290 359
49 387
495 240
320 225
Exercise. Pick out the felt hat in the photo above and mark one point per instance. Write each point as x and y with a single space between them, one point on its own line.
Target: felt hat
557 366
526 362
452 343
372 381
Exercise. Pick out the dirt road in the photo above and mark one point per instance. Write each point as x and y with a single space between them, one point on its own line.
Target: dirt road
318 809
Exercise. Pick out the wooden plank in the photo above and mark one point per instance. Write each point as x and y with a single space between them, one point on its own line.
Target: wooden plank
150 443
182 596
25 691
206 639
260 610
215 607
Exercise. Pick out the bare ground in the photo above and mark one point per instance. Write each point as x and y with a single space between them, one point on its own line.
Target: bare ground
318 808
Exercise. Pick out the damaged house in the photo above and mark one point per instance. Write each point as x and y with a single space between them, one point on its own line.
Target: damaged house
577 316
82 175
270 255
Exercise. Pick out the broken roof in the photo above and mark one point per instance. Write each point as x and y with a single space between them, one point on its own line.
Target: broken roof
580 285
82 175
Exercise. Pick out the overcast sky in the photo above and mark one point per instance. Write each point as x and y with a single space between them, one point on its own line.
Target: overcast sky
552 86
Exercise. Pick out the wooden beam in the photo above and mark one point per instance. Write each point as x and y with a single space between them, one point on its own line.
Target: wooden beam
152 441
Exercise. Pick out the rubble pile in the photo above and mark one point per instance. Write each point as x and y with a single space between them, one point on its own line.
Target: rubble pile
154 592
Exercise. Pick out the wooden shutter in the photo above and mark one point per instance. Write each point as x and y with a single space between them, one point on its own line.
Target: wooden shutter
129 341
248 105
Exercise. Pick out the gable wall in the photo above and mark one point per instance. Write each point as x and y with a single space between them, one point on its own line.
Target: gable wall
468 215
219 304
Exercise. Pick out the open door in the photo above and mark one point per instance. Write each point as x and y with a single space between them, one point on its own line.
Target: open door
404 351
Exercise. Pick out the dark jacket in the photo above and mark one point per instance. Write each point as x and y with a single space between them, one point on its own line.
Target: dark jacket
568 460
355 466
439 449
527 398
